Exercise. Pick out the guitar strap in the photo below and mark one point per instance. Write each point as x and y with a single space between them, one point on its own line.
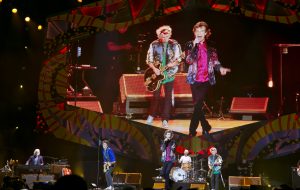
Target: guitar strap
164 54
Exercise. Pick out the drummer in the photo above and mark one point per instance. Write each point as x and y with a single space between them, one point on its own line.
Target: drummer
185 160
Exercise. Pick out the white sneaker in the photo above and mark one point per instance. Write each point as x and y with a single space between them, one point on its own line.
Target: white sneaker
109 188
150 119
165 123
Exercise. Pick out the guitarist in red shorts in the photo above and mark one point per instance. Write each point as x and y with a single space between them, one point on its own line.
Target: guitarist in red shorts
163 57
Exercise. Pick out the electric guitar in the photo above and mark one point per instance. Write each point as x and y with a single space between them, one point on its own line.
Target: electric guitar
107 166
153 81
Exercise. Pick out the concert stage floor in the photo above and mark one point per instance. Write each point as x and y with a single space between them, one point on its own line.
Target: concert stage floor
182 125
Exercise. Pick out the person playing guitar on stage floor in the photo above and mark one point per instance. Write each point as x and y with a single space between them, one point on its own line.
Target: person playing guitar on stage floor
109 161
214 165
163 57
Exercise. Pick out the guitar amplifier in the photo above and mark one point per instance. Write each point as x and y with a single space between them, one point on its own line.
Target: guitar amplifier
243 182
135 99
127 178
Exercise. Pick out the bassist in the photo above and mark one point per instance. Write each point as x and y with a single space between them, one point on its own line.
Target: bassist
167 52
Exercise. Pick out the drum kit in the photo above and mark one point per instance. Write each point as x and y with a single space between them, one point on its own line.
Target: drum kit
193 172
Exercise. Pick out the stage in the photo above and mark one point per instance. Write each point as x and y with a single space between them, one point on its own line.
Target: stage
182 125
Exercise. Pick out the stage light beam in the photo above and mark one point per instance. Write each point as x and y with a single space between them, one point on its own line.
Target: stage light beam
14 10
40 27
27 19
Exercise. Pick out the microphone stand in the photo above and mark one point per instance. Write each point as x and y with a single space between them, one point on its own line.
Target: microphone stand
98 152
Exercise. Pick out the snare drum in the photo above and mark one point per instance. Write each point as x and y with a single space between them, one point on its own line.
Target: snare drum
186 166
178 174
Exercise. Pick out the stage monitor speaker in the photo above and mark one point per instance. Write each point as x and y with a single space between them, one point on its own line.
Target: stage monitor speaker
127 178
248 107
135 98
87 102
243 182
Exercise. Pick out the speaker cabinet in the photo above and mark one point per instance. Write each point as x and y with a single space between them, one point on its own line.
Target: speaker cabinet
243 182
135 99
248 107
127 178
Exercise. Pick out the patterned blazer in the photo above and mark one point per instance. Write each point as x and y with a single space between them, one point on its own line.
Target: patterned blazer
173 53
163 148
191 60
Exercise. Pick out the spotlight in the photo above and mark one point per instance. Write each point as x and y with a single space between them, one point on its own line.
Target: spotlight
17 127
26 47
14 10
21 86
40 27
79 1
0 1
270 84
27 19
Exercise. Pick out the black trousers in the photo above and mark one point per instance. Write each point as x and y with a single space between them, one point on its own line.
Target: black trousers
214 181
199 91
167 105
165 172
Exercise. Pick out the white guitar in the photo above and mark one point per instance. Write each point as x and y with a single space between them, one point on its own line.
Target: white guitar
107 165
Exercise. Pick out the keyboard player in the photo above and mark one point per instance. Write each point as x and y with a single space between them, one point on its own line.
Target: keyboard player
36 159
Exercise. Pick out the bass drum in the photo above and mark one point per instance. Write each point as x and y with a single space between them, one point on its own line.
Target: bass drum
178 174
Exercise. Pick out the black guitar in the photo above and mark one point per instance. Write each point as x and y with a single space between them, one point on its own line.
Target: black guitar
153 81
